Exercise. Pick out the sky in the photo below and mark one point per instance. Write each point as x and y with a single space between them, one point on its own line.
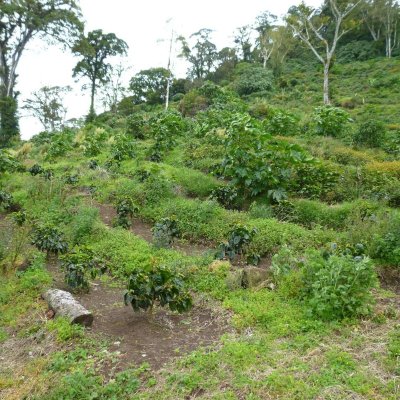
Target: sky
144 26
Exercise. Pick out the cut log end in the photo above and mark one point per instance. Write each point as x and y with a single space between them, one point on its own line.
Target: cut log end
64 305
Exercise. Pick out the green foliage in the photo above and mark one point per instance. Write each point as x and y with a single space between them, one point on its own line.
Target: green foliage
135 126
8 163
60 144
386 245
64 330
79 265
123 148
160 286
93 141
6 200
370 134
256 162
82 224
330 121
239 239
36 169
9 127
338 286
126 209
150 86
227 196
282 122
49 238
254 79
165 231
71 179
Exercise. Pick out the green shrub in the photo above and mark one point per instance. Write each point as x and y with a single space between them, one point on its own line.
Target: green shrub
330 121
36 169
338 286
282 122
165 231
126 209
160 286
123 148
49 238
227 196
370 134
254 79
8 163
79 265
60 144
239 239
135 124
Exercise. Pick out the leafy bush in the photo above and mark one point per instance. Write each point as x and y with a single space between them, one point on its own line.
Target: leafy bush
79 265
82 224
8 163
254 79
192 103
48 238
36 169
93 164
126 209
93 140
330 121
165 231
134 126
257 162
71 179
123 148
282 122
60 143
370 134
227 196
6 200
159 286
239 239
338 286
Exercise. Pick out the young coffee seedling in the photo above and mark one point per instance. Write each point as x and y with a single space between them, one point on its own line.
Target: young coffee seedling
126 209
79 265
239 239
159 286
165 231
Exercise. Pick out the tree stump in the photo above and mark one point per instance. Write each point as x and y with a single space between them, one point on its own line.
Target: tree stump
64 304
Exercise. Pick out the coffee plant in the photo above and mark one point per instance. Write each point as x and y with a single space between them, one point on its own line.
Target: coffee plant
71 179
126 209
8 163
330 121
227 196
49 239
160 286
79 266
123 148
256 162
36 169
134 126
239 239
93 164
165 231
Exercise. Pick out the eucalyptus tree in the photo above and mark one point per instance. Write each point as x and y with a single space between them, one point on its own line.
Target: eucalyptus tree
94 49
20 22
321 31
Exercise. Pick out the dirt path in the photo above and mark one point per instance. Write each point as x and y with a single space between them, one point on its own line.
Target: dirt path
143 229
141 337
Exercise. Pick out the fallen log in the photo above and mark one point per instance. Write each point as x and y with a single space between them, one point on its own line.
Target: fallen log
64 304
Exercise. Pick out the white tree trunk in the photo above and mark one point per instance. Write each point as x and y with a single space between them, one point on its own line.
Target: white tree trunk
326 83
64 304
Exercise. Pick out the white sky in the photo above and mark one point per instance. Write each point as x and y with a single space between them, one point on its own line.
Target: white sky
141 24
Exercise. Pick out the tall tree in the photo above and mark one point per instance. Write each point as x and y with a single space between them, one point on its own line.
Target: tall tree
20 22
265 25
243 40
114 90
202 55
149 86
94 49
382 18
47 104
321 32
